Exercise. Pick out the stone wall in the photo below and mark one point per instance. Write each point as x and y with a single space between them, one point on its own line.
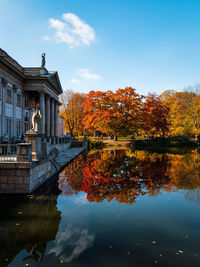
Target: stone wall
15 177
41 173
25 175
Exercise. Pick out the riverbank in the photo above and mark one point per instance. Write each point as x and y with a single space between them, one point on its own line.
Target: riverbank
25 177
164 144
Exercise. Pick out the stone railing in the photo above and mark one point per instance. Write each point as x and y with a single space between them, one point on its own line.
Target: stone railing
57 140
31 151
8 152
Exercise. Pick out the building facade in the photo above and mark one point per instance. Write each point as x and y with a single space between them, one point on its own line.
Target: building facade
22 90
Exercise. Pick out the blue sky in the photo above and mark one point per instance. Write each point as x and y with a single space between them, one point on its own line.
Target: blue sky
152 45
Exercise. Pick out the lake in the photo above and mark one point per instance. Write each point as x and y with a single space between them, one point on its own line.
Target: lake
115 207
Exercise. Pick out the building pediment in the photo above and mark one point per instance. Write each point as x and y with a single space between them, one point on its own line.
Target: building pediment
54 80
42 75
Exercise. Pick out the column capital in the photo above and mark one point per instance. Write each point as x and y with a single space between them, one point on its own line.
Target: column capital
15 87
42 92
52 99
4 81
47 96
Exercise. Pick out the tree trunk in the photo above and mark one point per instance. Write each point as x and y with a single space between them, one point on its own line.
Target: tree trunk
115 138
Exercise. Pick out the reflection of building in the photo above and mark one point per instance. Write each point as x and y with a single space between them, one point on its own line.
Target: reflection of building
28 224
21 91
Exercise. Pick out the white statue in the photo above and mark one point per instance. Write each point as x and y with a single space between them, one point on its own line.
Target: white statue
36 121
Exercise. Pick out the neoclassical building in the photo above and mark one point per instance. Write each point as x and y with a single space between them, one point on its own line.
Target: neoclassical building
22 90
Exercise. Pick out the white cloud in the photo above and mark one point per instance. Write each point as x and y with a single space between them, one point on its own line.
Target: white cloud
57 24
75 81
84 73
46 38
73 31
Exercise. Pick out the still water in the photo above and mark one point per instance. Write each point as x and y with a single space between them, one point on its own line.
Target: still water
113 208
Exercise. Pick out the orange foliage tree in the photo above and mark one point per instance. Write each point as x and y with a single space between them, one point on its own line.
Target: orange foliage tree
112 113
155 114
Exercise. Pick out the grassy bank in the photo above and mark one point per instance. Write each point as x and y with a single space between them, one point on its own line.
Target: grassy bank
176 143
170 142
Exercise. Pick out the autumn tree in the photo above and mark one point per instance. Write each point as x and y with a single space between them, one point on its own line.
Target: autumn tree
97 111
64 99
184 113
73 113
112 113
155 114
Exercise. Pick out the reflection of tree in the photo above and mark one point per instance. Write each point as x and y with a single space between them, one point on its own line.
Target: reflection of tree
124 175
185 174
185 170
27 223
70 178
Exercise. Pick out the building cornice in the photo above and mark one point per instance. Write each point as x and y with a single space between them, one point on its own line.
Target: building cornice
30 74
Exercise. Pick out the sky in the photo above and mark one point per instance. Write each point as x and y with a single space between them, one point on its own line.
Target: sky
151 45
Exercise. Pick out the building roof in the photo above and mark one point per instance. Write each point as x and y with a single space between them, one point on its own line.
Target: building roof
31 73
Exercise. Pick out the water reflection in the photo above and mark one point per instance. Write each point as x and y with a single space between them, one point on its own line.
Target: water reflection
47 228
124 175
27 223
71 242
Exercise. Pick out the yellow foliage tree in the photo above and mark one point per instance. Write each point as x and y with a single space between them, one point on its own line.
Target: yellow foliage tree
73 114
184 114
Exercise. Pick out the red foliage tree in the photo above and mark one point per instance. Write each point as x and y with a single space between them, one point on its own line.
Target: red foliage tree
155 114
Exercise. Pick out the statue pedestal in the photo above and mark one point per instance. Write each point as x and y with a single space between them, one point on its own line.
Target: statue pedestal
35 139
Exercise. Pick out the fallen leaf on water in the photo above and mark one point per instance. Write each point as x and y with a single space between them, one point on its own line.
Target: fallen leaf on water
180 251
155 261
61 261
17 224
153 242
128 252
110 246
19 212
161 255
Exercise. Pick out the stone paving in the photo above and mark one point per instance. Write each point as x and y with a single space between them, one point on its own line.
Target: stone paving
65 157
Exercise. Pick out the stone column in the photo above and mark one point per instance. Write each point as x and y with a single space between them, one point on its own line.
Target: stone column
42 110
22 105
3 125
47 117
1 96
56 119
52 118
14 111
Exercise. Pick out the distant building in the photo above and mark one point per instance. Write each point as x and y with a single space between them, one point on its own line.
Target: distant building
61 131
22 90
